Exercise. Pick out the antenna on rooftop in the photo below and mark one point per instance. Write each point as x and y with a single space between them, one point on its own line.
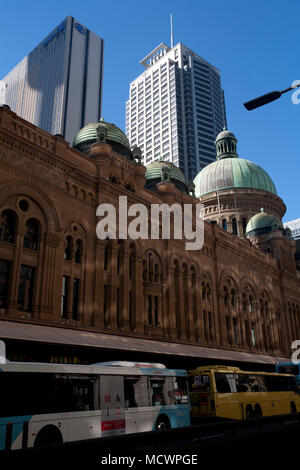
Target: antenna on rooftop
171 17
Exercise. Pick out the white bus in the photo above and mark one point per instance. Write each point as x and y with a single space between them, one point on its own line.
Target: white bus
43 404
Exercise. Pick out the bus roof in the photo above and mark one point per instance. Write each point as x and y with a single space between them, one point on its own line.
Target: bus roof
36 367
228 369
202 369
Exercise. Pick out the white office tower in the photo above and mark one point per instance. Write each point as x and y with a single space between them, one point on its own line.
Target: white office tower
176 109
58 86
294 226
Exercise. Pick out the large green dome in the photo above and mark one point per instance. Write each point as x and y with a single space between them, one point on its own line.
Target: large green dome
157 172
101 132
263 223
228 173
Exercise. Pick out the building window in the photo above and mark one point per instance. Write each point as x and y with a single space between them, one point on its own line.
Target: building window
68 249
26 285
253 334
8 224
235 331
105 302
234 226
64 296
31 236
224 224
78 252
149 310
4 282
76 284
228 329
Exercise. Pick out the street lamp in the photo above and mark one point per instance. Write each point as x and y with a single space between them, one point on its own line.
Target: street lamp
267 98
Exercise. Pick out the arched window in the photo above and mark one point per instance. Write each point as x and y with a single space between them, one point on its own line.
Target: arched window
78 252
31 237
8 225
234 226
233 298
244 225
225 296
68 248
224 224
156 273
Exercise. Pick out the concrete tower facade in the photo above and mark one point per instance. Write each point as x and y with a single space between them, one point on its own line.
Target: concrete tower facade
58 86
176 109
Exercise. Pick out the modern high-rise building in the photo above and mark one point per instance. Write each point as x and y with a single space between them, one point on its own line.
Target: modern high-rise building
58 86
294 226
176 109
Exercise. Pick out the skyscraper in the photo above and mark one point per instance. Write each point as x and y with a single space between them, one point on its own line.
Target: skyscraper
176 109
58 86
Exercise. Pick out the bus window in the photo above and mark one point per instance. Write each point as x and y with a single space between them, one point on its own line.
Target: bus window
225 383
82 394
251 383
200 383
180 393
280 383
288 369
157 391
136 392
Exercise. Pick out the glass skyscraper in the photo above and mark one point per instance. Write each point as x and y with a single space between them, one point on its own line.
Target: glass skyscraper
176 109
58 86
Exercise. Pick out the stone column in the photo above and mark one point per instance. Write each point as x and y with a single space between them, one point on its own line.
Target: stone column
190 319
36 311
138 295
182 333
124 286
112 322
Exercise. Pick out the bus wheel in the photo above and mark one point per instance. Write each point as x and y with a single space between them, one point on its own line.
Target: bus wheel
162 423
249 412
258 411
293 408
48 435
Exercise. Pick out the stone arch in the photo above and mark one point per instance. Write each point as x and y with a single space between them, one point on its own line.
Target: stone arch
14 188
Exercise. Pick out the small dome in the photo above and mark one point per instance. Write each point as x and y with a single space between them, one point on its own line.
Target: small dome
263 223
102 132
224 134
160 171
228 173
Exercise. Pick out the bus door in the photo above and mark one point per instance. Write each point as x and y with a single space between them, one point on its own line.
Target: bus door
202 399
112 405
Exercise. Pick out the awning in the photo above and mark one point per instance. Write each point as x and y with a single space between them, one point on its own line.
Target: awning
72 337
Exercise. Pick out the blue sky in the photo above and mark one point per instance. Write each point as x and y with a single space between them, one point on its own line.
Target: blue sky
254 44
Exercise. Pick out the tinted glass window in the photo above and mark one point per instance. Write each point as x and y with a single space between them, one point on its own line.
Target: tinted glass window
280 384
180 393
199 383
136 392
251 383
225 383
289 369
30 394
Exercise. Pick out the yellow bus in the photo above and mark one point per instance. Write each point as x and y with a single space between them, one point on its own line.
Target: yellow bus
228 392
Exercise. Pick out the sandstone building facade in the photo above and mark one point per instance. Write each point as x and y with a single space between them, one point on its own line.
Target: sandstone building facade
236 299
